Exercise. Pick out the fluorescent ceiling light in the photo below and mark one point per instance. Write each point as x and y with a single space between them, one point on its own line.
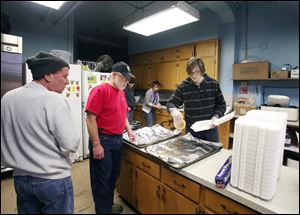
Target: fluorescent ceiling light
53 4
177 15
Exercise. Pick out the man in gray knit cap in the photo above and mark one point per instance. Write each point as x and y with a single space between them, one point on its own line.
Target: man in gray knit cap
37 137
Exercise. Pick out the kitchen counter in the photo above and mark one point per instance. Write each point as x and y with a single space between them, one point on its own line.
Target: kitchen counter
285 201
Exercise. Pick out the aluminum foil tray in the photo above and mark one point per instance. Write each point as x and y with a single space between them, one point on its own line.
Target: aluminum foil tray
182 151
150 135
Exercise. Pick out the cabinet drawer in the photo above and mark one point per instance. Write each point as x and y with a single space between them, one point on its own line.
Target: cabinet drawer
182 185
223 205
128 155
148 166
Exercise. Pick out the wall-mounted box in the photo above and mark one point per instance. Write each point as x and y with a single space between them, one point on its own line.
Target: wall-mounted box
279 74
252 70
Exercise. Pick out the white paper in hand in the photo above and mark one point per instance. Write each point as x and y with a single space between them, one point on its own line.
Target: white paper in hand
202 125
224 119
208 124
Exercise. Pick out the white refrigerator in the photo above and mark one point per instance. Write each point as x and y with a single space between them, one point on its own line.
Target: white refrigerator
90 79
72 93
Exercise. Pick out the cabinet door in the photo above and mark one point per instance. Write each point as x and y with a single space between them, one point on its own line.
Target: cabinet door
185 52
154 73
168 75
147 193
141 75
125 182
169 54
156 57
211 67
206 48
223 205
175 203
181 71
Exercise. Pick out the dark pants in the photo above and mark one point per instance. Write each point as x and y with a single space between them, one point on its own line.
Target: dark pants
150 118
44 196
130 115
210 135
105 172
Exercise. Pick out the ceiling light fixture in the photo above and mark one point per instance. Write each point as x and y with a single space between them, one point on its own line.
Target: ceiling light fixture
52 4
179 14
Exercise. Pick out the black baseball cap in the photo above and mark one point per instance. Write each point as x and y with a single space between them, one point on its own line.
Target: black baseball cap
124 69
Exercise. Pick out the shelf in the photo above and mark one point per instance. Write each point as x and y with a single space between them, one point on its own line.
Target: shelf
268 79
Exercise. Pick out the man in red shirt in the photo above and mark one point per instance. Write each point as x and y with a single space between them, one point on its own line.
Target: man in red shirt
106 120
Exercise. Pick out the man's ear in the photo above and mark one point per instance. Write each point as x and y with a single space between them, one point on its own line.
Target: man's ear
48 77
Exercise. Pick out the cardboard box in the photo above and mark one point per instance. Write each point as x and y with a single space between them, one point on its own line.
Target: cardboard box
241 109
252 70
279 74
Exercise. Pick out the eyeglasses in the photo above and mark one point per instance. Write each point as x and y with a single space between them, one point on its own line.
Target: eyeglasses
123 77
195 72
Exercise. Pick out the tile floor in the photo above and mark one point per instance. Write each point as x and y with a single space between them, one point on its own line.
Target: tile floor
84 203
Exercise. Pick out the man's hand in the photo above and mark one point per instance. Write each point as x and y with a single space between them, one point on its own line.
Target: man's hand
177 116
131 136
158 106
213 119
98 152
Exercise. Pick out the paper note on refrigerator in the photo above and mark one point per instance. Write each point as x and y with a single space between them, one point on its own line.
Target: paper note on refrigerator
208 124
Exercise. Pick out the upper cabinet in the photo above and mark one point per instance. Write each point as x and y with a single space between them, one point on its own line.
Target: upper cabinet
206 48
208 51
185 52
168 65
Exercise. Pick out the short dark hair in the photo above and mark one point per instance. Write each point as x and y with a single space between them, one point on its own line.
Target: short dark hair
156 83
195 61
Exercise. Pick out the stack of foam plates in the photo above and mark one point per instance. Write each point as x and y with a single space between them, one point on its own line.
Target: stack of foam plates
257 152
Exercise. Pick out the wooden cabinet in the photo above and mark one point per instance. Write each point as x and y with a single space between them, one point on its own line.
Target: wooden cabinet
181 71
211 67
206 48
168 65
147 193
208 51
148 166
139 59
125 184
222 205
152 188
185 52
156 57
175 203
155 198
182 185
141 75
169 55
168 75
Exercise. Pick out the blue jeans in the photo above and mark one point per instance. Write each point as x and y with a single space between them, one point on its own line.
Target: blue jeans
210 135
105 172
150 118
44 196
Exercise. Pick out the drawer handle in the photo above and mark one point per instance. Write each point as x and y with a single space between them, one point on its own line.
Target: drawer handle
228 211
179 185
158 191
163 195
145 165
